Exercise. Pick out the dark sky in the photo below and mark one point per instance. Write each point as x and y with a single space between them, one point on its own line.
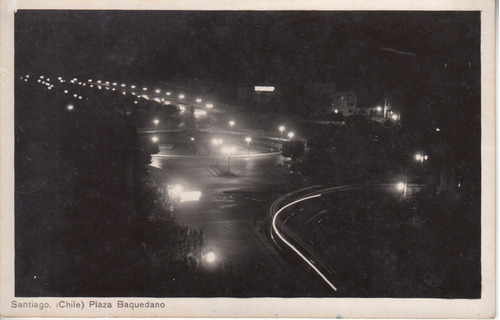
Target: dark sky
352 49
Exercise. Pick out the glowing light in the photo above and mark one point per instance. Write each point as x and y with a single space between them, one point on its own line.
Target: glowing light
123 85
264 89
89 80
209 106
186 196
70 107
181 96
199 113
394 117
400 186
157 90
114 83
65 91
154 139
198 100
144 89
168 93
132 86
291 135
210 257
336 110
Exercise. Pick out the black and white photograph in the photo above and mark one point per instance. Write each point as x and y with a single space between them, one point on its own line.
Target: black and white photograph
221 153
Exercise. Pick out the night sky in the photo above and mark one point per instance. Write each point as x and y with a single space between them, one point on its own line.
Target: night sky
371 52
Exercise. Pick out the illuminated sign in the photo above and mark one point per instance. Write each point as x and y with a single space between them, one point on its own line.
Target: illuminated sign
264 89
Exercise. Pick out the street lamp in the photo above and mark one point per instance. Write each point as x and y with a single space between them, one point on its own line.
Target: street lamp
281 128
217 143
290 135
154 139
228 150
394 117
248 140
421 158
379 108
232 123
156 121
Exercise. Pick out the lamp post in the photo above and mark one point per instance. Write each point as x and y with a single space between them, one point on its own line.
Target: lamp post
421 158
231 123
281 128
290 135
248 140
228 150
156 121
217 143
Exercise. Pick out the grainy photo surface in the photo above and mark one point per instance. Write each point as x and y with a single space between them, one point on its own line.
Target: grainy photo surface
160 153
246 154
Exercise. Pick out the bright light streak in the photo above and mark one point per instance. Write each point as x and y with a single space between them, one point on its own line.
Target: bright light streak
264 88
291 246
186 196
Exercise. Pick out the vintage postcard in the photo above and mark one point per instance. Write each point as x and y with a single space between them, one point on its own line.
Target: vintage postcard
213 159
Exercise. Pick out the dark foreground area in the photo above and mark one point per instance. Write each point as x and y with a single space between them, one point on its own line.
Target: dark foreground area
383 245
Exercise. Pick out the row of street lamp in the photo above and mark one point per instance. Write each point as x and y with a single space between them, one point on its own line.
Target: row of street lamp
280 128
